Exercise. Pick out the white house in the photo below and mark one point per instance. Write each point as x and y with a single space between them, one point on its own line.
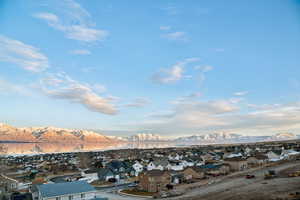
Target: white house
178 167
273 156
90 175
158 164
138 168
286 154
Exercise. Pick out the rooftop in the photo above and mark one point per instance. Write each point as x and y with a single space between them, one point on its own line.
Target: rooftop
59 189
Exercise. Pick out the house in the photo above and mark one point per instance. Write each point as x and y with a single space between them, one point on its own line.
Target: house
104 174
175 165
78 190
154 180
236 163
193 173
259 159
159 164
216 169
116 166
289 154
91 175
8 184
177 177
272 156
138 168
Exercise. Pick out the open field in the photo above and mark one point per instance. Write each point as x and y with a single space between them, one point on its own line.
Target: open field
239 188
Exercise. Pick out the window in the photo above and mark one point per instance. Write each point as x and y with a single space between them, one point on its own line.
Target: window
71 197
82 196
57 198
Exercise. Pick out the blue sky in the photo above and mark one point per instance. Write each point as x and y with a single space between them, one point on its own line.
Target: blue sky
171 67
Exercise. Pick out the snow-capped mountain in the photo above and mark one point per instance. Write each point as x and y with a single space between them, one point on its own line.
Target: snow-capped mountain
212 137
146 137
50 134
284 136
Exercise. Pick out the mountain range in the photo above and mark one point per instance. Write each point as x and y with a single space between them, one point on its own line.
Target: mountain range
59 135
50 135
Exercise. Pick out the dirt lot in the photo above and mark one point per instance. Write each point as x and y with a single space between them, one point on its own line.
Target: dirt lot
239 188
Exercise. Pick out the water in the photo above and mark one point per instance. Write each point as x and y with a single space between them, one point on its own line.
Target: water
42 148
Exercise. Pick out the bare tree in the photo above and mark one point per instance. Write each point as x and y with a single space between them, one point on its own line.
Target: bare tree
84 160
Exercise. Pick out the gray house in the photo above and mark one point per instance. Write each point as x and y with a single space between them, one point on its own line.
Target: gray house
78 190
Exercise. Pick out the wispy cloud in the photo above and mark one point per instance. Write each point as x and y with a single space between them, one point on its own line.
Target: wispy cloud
138 102
7 87
74 21
173 73
241 93
203 70
171 10
178 35
26 56
62 86
80 52
192 116
165 28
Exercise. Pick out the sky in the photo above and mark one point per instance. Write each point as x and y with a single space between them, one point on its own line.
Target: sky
168 67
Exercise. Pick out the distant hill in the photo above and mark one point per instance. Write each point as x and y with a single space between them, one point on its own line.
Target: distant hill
51 135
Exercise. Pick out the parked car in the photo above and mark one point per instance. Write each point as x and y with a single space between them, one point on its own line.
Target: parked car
248 176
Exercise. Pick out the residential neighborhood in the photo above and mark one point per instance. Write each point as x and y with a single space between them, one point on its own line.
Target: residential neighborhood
157 172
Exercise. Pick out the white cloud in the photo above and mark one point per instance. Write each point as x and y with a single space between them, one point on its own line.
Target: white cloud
99 88
241 93
23 55
205 68
74 22
138 102
174 73
80 52
66 88
189 116
179 35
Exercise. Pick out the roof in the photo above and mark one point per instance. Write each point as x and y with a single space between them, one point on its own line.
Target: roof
234 159
102 172
59 189
261 157
162 162
156 172
197 169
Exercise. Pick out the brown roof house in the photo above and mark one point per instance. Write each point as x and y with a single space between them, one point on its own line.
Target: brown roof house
257 160
193 173
154 180
236 163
